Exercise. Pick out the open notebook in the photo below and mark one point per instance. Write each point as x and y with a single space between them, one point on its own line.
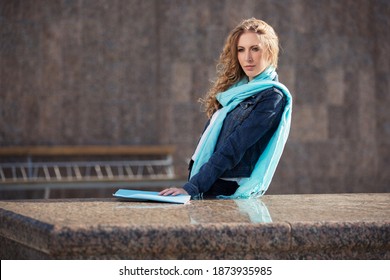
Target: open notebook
151 196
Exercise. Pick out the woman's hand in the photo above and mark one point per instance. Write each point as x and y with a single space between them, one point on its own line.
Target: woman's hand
173 191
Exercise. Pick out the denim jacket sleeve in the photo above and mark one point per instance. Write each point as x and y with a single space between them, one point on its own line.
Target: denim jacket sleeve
264 116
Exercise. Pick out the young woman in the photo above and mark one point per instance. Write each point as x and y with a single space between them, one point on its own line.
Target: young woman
249 119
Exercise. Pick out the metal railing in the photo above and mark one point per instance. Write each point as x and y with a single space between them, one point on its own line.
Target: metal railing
86 170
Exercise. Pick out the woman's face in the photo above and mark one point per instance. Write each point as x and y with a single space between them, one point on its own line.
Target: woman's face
252 58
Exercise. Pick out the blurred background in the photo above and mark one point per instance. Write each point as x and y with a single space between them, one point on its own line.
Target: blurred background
130 72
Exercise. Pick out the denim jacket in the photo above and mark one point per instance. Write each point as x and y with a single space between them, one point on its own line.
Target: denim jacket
245 133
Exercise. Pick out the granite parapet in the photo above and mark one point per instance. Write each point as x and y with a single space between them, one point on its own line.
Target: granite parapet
272 227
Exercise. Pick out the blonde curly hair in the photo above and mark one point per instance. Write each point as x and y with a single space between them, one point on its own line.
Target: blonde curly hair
229 70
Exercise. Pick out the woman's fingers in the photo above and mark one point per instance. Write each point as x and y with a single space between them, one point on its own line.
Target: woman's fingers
173 191
170 191
166 191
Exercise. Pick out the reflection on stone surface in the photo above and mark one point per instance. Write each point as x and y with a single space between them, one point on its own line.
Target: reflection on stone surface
276 209
229 211
255 209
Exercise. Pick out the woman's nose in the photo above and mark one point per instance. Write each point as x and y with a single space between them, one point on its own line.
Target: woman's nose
248 56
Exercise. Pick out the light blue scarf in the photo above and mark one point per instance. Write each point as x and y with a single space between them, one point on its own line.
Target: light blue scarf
261 176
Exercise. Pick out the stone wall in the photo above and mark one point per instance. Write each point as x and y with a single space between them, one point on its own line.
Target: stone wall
131 72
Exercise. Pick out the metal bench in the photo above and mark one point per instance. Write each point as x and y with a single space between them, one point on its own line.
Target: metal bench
77 164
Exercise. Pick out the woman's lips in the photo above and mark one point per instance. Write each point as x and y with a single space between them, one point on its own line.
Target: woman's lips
249 67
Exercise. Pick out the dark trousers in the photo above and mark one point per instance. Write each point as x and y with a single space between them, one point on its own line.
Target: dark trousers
221 187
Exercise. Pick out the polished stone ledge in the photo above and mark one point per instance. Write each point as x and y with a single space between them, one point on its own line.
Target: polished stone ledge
328 226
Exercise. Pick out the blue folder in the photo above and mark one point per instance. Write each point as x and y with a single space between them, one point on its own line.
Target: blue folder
150 196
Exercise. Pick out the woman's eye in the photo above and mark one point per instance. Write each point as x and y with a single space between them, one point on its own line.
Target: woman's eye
255 49
240 50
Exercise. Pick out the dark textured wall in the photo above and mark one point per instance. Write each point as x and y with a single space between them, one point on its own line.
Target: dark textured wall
130 72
